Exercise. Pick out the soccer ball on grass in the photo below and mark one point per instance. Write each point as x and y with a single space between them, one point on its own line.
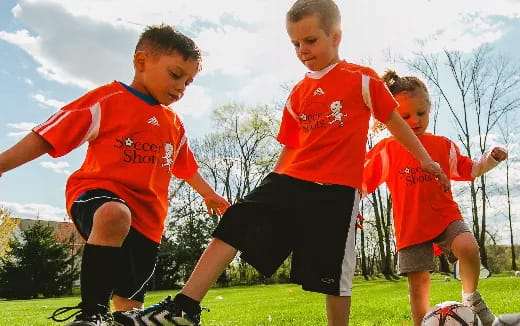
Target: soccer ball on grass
451 313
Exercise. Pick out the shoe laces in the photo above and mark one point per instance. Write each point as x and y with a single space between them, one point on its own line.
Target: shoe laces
79 313
168 304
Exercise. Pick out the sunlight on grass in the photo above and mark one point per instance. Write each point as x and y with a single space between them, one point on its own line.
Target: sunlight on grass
375 302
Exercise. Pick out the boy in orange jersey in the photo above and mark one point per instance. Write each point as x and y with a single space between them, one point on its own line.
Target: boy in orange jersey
308 205
423 214
118 199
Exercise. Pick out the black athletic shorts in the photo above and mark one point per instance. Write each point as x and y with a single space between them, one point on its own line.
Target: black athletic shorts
138 254
312 221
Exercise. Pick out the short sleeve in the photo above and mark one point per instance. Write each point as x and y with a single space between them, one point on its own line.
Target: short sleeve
185 164
70 127
460 166
289 131
378 98
376 166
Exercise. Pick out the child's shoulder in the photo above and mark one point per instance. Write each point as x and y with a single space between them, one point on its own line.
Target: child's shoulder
365 70
436 138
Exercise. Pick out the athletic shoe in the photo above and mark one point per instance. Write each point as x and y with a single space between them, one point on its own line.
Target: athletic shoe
164 313
477 304
507 320
101 318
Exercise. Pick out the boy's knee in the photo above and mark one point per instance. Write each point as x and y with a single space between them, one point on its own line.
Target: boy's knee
113 216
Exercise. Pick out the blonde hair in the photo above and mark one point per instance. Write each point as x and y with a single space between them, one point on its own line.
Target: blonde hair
398 84
326 10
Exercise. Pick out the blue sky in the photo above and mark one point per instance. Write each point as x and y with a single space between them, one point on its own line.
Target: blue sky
53 51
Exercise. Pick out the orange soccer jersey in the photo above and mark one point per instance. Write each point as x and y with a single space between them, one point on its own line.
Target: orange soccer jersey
135 146
421 209
325 123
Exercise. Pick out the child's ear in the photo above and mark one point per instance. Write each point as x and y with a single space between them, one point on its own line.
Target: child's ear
336 37
139 60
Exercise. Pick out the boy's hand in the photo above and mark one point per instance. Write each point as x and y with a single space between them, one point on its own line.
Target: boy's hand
434 168
499 154
216 204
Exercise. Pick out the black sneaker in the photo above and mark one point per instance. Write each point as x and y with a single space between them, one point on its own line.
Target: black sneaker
101 318
164 313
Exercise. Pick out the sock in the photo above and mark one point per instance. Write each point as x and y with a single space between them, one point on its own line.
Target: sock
187 304
96 277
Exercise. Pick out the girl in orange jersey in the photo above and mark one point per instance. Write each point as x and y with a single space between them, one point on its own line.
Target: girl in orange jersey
423 213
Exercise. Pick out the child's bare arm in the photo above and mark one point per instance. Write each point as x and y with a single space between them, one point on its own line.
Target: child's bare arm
488 161
215 203
30 147
402 132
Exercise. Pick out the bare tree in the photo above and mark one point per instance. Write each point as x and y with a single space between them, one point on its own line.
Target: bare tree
508 137
234 157
486 87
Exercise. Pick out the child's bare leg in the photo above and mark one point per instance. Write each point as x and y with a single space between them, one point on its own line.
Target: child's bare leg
110 225
419 289
465 248
214 260
338 310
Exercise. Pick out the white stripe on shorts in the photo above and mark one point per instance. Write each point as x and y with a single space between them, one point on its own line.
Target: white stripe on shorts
143 285
349 259
98 197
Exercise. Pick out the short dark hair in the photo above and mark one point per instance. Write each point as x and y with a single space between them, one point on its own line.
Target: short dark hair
327 11
404 84
164 39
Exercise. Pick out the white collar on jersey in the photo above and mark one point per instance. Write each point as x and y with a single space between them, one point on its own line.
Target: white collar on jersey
322 72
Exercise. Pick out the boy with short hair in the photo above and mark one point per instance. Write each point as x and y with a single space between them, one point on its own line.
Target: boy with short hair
118 198
308 205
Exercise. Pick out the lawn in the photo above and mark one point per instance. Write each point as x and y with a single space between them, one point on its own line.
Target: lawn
376 302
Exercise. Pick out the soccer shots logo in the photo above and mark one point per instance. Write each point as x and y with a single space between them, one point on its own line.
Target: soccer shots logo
317 119
415 175
145 152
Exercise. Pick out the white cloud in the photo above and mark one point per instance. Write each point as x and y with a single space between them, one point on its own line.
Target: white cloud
80 50
36 211
59 167
241 40
196 102
23 127
41 99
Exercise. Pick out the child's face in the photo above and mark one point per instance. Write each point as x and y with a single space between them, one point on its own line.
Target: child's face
164 77
414 108
315 49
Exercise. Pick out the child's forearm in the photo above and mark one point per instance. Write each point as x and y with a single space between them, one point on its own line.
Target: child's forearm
402 132
30 147
197 182
485 163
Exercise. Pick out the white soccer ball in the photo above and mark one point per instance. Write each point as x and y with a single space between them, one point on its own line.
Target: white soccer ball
451 313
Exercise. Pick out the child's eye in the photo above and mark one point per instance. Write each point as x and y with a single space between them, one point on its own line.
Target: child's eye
311 41
174 75
421 113
405 117
296 45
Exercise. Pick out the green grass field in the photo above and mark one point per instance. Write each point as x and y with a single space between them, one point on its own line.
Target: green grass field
377 302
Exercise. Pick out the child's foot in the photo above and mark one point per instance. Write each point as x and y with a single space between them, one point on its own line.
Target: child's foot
164 313
507 320
475 302
102 317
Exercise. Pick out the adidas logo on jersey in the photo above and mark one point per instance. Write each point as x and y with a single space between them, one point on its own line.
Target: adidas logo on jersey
318 91
153 121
